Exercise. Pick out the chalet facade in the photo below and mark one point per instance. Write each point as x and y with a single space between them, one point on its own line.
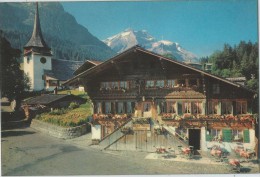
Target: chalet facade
198 106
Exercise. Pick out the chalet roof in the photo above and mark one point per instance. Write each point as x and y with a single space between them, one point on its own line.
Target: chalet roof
62 69
87 65
140 49
95 62
49 75
47 99
37 38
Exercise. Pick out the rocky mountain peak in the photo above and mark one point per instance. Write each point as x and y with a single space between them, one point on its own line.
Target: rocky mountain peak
129 38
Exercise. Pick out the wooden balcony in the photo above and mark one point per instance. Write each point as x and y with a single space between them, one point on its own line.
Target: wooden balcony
132 93
116 93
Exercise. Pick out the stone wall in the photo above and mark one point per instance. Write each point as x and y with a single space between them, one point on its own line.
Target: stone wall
59 132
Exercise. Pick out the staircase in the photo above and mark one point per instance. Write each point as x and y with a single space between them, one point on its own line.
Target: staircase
178 138
115 136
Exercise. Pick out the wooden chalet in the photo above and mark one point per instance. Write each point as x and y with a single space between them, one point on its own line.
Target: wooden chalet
197 105
88 64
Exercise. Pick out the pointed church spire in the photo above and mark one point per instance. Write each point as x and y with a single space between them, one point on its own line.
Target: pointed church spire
37 40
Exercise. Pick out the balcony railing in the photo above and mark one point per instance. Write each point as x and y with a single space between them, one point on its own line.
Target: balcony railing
175 117
153 92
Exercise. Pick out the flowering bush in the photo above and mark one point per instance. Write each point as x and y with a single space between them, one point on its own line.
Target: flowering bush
110 116
167 116
58 111
73 105
188 116
65 118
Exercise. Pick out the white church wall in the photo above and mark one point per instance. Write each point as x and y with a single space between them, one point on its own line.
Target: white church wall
35 70
29 69
39 70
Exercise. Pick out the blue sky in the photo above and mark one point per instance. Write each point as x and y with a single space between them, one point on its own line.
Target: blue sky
200 26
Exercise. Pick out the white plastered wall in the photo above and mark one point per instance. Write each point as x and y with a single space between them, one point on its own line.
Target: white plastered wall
96 132
35 70
229 146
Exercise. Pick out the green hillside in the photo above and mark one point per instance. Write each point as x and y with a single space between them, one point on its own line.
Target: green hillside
68 39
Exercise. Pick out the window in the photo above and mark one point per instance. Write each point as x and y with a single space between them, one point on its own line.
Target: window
192 82
105 85
114 85
170 83
196 107
149 84
160 83
147 107
187 107
212 107
171 107
241 107
163 107
215 89
215 134
129 107
226 107
237 135
123 85
98 108
181 82
108 107
120 108
28 60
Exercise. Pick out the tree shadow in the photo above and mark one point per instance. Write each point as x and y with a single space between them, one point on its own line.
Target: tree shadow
245 170
15 124
5 134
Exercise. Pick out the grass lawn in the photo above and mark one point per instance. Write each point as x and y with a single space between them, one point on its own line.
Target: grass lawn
69 117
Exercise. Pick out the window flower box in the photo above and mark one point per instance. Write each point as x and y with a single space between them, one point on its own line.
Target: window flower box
127 130
188 116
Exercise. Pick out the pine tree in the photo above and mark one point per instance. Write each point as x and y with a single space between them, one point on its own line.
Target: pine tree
241 60
12 77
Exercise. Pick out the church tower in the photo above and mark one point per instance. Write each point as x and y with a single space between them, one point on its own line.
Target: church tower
37 56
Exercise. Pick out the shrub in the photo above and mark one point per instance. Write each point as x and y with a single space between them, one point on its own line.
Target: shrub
73 105
58 111
68 117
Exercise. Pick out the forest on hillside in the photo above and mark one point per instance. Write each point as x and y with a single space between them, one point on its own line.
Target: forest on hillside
62 33
238 61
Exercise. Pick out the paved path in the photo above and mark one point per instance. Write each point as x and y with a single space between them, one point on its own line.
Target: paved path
28 152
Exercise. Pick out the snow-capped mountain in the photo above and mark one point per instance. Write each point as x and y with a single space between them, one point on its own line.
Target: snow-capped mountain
129 38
